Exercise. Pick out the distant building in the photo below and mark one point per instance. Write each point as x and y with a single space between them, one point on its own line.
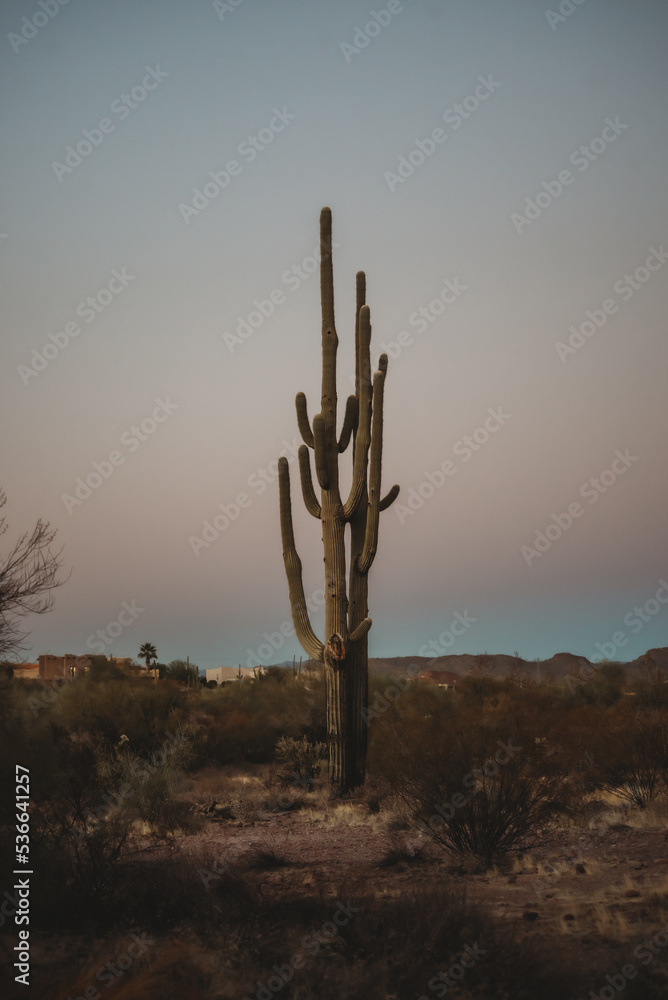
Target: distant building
52 667
222 674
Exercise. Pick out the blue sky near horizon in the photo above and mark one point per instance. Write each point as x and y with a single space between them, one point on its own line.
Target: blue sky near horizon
167 332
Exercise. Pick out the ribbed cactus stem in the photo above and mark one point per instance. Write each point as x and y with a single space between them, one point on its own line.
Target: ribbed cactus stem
373 514
345 652
302 419
308 493
293 568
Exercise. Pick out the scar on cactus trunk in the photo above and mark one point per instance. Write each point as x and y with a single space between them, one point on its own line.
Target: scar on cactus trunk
345 652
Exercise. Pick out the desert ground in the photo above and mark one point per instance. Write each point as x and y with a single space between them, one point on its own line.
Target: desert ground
225 878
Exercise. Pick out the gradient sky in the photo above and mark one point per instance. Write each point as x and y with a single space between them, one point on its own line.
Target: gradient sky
552 85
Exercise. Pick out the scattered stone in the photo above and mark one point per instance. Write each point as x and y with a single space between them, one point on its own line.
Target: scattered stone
580 869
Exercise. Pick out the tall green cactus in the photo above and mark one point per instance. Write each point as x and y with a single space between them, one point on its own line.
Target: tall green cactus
345 653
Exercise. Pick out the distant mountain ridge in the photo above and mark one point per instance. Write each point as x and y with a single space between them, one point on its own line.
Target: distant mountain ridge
499 664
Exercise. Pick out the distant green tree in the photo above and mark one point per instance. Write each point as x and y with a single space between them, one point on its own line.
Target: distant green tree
183 670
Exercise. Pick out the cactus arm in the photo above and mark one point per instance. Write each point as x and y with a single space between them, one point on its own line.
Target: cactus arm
308 493
330 343
389 498
361 630
293 568
373 514
320 448
349 422
363 432
360 300
302 419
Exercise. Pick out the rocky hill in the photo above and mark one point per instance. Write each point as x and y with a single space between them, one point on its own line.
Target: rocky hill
500 664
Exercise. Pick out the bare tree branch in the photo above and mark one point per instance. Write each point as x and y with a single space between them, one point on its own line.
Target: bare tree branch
28 575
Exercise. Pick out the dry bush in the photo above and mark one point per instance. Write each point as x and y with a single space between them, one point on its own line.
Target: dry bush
628 754
128 706
478 778
242 722
302 762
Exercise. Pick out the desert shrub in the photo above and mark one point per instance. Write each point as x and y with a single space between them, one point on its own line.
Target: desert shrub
478 780
609 682
91 803
302 761
102 669
603 684
144 712
477 688
629 755
183 671
243 721
650 690
151 783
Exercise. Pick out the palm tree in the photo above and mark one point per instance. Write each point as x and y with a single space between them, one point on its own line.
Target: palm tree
148 652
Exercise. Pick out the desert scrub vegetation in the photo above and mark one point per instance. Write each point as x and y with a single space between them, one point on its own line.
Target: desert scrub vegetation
475 772
222 936
243 721
302 762
484 768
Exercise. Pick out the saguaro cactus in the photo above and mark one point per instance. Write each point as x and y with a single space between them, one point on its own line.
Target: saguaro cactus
345 651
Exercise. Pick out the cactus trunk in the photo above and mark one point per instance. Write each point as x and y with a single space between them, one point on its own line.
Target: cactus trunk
345 651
